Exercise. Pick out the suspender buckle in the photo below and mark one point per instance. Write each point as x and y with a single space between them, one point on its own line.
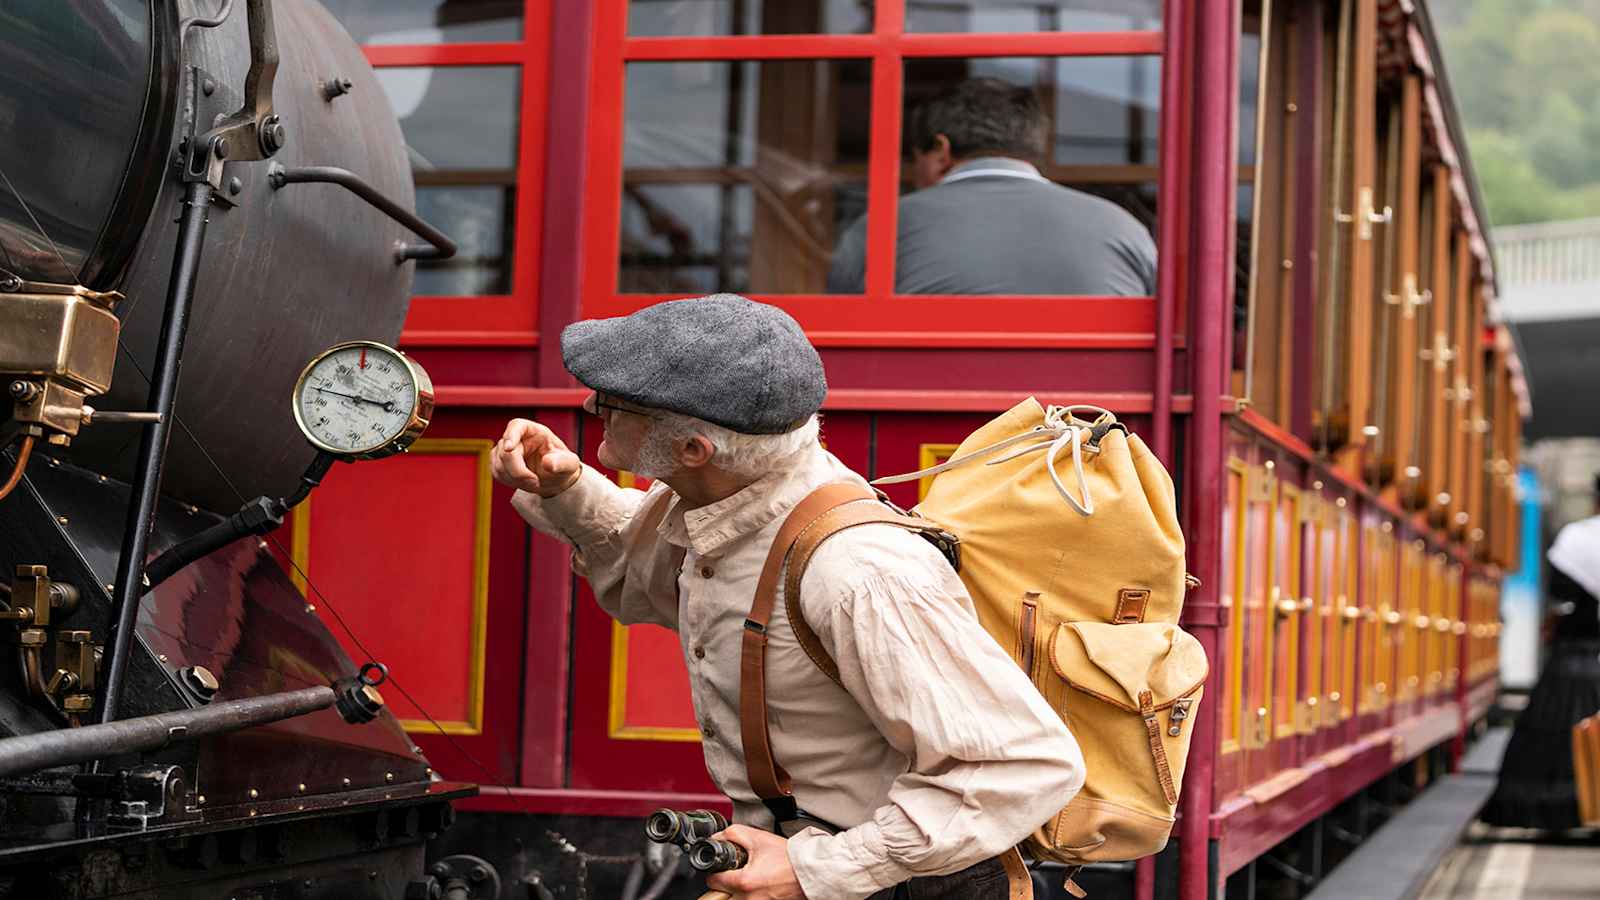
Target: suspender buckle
757 627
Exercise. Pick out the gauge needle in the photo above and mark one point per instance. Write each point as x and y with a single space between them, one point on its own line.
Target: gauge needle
388 405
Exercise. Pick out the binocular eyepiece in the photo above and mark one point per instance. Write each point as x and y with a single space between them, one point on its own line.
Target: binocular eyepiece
692 830
712 855
670 826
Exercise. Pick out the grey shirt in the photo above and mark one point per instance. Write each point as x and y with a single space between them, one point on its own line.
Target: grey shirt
995 226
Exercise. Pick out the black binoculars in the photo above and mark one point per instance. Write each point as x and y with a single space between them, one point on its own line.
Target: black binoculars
692 830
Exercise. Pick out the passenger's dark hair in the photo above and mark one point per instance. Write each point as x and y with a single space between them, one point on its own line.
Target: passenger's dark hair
982 116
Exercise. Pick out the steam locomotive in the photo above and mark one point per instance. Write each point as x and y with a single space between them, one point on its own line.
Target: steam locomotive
216 194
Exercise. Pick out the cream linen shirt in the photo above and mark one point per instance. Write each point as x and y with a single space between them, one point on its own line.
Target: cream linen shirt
937 753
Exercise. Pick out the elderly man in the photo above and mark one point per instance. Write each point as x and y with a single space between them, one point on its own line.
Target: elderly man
933 755
984 221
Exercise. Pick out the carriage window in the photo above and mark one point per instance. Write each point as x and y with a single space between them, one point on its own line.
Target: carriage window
428 21
1033 15
741 176
652 18
983 140
1269 195
466 188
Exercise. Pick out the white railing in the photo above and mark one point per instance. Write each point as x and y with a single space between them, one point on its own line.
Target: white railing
1548 253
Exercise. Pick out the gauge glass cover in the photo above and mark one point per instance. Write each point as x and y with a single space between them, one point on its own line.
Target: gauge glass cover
356 398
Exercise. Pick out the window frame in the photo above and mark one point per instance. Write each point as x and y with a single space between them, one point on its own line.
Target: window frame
879 317
493 320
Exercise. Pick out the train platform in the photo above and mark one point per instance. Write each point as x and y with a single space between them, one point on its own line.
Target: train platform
1513 863
1435 850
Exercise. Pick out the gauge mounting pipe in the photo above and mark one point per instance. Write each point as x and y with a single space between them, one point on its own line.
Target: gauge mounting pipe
146 488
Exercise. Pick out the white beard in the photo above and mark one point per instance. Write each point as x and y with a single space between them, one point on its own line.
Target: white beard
657 457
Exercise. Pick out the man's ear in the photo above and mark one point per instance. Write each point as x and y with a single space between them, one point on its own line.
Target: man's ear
943 158
696 452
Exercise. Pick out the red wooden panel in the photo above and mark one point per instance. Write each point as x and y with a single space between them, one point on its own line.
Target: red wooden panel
362 547
903 438
399 552
650 696
848 435
632 725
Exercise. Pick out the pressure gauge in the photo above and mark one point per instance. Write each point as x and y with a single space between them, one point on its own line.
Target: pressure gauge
362 400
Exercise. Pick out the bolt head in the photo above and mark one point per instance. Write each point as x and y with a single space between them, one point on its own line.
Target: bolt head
220 148
77 703
208 87
235 186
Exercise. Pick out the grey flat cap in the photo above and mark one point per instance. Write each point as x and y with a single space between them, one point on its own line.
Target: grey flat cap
724 358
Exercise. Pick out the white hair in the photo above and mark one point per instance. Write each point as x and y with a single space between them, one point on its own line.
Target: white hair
742 455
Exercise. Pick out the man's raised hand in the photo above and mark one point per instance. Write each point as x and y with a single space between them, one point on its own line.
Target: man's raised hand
531 458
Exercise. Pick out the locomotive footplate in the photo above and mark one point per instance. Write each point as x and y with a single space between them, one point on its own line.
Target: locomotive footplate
363 845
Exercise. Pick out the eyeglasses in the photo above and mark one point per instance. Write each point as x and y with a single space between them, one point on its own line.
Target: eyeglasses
599 402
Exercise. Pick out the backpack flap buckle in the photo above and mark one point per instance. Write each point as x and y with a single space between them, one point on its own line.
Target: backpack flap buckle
1178 713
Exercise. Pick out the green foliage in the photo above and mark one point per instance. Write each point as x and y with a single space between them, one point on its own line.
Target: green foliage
1526 75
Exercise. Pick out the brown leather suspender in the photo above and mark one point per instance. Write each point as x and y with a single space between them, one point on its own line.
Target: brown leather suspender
827 511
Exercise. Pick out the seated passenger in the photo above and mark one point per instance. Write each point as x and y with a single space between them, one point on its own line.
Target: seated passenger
984 221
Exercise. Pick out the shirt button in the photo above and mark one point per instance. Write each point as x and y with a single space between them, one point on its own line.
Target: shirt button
708 731
707 571
699 653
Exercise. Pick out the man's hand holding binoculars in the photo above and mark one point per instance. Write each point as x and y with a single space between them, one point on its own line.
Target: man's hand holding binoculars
740 862
768 874
531 458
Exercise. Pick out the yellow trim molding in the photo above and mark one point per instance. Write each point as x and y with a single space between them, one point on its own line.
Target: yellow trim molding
480 449
617 727
928 456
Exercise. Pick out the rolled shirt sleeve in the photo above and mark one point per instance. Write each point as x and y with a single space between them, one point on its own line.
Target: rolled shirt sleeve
987 759
612 530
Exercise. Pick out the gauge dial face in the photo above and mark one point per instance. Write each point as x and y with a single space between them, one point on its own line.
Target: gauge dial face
361 399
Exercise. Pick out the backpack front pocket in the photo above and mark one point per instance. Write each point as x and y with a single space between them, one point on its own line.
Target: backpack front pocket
1131 691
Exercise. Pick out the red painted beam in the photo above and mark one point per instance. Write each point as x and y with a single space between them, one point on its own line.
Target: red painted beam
1246 827
846 46
570 802
1210 33
486 54
840 400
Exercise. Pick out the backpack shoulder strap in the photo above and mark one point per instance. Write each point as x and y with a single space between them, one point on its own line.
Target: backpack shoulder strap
838 519
827 511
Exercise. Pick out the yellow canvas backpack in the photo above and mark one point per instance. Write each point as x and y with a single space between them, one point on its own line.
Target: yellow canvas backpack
1071 549
1080 575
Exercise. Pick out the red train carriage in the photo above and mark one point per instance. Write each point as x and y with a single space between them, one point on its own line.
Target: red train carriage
1318 366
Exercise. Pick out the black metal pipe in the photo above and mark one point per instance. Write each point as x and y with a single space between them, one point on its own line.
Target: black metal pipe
443 247
259 516
201 545
68 746
153 443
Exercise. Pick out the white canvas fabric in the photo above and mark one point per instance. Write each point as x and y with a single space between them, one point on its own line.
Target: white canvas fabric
1576 552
